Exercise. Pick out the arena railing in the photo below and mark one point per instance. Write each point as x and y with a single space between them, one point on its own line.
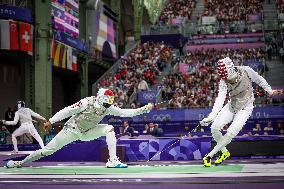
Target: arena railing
188 29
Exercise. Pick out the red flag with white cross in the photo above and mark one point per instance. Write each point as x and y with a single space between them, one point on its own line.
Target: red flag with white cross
26 37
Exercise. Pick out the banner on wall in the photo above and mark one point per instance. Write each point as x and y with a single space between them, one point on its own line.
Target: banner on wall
199 113
16 13
106 35
145 97
183 68
256 65
70 41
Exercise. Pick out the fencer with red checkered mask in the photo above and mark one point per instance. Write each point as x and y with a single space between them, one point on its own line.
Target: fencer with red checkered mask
236 81
84 124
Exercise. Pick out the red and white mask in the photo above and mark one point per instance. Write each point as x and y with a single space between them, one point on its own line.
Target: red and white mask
105 97
226 69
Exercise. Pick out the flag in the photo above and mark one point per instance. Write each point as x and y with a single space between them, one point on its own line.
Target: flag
9 35
74 60
26 37
69 58
57 54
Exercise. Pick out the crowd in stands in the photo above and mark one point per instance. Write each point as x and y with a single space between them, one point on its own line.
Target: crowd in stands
199 86
252 128
177 9
150 129
280 5
140 69
232 10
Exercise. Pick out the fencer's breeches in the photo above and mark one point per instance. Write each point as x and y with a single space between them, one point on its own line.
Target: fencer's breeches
27 127
67 135
225 116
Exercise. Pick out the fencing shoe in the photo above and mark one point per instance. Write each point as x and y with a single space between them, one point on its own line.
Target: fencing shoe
222 157
115 163
207 161
13 164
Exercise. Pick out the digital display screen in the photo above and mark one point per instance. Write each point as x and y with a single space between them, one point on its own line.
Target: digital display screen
65 16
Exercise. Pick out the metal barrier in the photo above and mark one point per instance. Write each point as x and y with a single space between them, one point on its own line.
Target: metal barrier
188 29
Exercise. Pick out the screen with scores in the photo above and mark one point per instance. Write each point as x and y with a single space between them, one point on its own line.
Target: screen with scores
65 16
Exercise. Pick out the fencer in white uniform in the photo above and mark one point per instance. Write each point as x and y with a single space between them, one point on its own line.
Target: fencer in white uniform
236 81
24 115
84 125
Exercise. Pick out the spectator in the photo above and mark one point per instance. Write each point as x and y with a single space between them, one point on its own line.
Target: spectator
268 127
269 51
229 11
3 134
50 134
160 131
9 116
145 131
152 130
177 10
143 86
281 51
197 86
257 127
180 47
279 128
145 61
127 129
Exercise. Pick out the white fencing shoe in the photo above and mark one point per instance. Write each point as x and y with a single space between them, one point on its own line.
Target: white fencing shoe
13 164
115 163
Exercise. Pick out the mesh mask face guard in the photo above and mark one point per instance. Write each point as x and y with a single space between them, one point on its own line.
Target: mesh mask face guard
105 98
226 69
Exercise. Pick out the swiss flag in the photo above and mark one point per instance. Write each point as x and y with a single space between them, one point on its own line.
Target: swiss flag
26 37
9 35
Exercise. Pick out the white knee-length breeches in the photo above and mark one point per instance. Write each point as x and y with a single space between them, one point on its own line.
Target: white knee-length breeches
67 135
238 119
26 128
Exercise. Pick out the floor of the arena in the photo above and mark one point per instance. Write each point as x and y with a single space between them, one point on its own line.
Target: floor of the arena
253 173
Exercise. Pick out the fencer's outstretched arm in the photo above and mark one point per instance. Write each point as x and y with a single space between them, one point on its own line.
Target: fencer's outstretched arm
258 79
15 121
69 111
219 101
116 111
36 115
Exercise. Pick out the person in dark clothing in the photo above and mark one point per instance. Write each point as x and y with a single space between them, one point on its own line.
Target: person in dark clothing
180 47
9 116
127 129
152 130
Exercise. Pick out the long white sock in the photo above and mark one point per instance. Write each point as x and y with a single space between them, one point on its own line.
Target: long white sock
217 135
33 157
111 144
14 140
224 141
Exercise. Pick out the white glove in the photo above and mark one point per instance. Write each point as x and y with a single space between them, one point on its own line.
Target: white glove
147 108
206 121
2 122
